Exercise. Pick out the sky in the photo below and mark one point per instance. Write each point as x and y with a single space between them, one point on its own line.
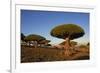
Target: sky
42 22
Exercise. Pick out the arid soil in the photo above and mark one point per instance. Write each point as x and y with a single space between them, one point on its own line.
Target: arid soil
45 54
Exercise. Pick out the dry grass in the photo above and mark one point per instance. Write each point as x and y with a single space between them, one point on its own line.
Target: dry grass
40 54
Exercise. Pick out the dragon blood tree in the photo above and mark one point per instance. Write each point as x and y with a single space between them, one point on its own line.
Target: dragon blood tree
34 38
67 32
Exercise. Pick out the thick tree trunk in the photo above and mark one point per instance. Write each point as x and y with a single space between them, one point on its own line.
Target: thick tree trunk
29 43
67 47
36 44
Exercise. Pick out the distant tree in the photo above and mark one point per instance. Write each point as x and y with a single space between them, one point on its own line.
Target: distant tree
62 43
22 36
73 43
44 42
34 38
67 32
